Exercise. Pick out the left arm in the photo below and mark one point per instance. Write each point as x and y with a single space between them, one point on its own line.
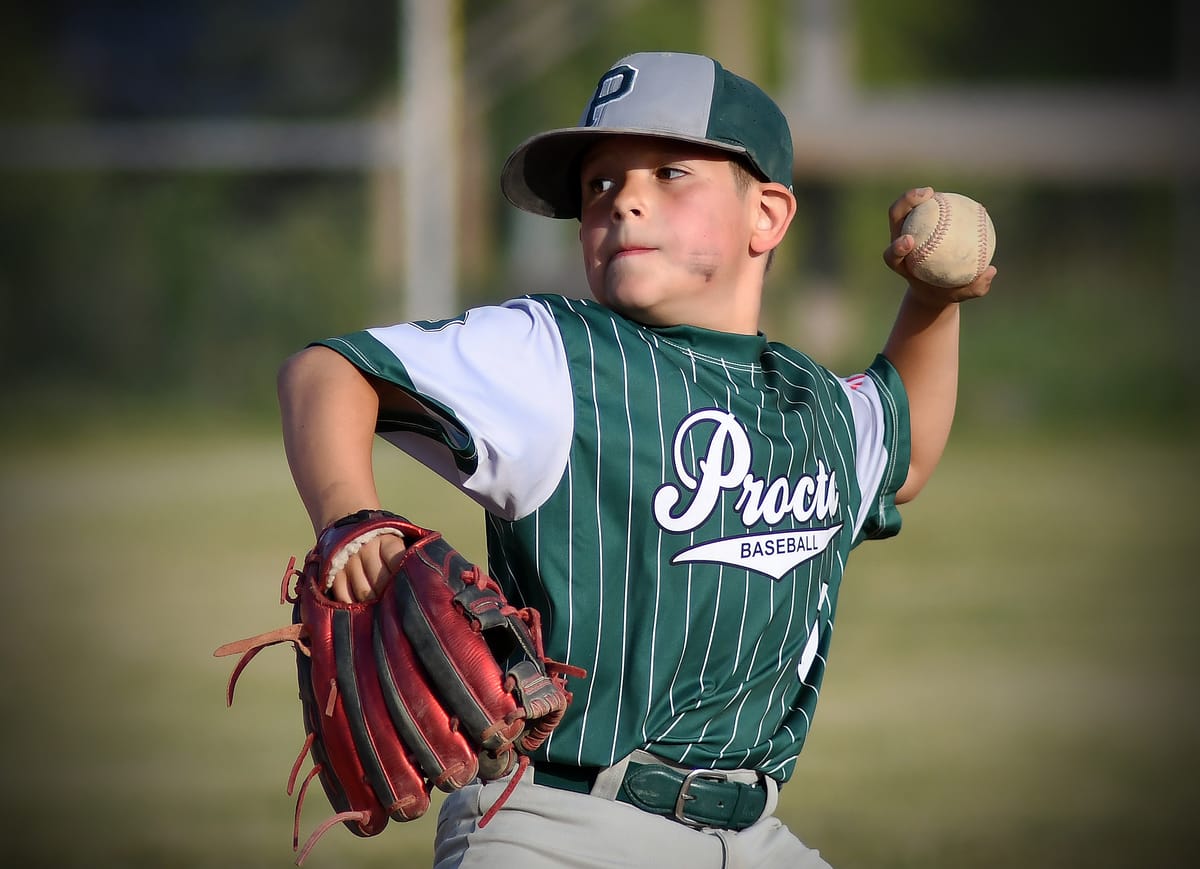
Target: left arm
923 346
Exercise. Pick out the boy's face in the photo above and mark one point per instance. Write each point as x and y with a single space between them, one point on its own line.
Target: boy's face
665 230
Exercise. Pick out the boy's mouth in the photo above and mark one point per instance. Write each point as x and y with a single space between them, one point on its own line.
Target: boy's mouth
630 250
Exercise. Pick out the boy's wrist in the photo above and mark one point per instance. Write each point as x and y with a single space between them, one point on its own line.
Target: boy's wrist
933 299
939 298
334 510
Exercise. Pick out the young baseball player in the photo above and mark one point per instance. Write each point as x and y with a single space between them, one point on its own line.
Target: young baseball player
674 493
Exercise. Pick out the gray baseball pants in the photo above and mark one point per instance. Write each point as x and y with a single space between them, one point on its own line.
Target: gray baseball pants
547 828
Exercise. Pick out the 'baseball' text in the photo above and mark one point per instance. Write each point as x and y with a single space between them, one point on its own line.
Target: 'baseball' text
788 545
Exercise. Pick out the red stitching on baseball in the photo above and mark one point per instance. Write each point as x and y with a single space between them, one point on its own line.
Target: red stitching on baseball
921 253
983 251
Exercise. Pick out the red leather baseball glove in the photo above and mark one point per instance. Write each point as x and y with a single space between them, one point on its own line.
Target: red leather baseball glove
436 682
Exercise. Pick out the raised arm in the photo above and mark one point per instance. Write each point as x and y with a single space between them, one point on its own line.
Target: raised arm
923 346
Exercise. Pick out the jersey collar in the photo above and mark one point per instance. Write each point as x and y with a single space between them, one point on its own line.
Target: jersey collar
728 346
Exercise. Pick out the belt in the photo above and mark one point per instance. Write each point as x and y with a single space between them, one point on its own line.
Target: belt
697 798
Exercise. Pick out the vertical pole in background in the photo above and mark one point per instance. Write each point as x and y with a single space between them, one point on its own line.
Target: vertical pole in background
1186 290
429 160
729 35
817 85
820 37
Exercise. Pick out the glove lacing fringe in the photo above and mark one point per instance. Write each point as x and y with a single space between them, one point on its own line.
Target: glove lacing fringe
362 817
541 720
522 765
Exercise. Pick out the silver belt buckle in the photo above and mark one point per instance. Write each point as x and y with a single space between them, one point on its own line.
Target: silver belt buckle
684 796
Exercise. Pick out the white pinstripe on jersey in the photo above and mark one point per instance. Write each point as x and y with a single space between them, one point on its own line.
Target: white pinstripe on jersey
714 660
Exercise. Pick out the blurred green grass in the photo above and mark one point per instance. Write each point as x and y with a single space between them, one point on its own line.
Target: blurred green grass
1009 686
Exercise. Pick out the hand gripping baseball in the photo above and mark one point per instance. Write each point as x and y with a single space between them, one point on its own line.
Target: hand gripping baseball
942 244
435 682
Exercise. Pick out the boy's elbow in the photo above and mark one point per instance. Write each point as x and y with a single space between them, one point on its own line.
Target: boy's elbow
316 374
292 373
926 444
913 484
306 370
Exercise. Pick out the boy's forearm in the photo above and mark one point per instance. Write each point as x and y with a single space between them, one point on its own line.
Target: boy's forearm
923 346
328 412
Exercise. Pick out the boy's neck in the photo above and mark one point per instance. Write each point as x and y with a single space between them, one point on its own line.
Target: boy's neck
737 317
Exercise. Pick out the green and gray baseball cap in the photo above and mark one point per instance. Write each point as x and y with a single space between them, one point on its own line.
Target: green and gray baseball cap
687 97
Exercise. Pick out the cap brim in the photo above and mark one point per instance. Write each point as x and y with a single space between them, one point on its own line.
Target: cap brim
541 175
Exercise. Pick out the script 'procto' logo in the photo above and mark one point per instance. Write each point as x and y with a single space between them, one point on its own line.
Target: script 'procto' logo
724 466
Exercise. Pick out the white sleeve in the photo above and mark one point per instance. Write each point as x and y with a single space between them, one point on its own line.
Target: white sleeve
872 457
500 374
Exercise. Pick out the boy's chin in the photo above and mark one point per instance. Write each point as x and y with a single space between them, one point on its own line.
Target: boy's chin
646 315
635 302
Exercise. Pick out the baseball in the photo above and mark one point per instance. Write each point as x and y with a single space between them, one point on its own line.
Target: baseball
954 240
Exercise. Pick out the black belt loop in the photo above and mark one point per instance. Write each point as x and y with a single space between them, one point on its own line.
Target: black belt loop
577 779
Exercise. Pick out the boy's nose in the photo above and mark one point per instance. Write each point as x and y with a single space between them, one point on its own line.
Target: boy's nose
630 200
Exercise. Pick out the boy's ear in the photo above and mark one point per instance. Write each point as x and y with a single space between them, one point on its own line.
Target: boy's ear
775 210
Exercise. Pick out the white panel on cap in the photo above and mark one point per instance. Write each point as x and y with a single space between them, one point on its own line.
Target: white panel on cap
672 93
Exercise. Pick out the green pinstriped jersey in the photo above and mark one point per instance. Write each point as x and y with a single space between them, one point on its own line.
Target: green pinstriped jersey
678 503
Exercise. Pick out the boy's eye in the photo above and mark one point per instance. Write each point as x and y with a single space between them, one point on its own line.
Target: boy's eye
599 185
669 173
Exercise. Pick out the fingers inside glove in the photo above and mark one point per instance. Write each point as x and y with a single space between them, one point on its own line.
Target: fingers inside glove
368 569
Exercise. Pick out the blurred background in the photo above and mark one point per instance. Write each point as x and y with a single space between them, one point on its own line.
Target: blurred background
191 191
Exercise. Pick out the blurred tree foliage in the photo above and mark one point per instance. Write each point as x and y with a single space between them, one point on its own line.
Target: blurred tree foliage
177 286
121 60
193 286
1043 42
